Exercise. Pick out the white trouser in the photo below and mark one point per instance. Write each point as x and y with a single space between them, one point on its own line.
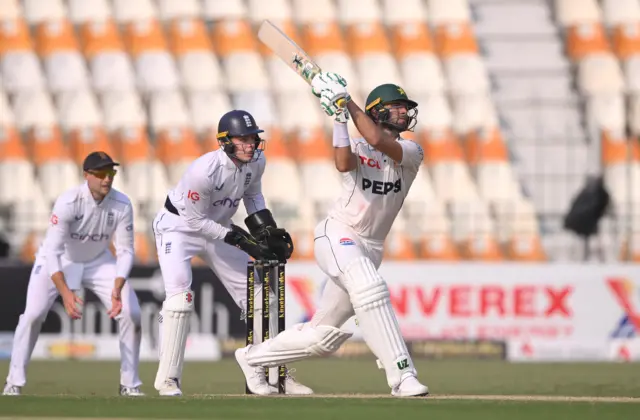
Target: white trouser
333 253
176 249
98 276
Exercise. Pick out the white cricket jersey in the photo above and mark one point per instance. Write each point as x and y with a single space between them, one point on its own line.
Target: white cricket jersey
373 193
82 229
209 193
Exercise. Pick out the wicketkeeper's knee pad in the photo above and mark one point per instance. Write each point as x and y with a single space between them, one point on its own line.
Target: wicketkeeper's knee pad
175 319
297 343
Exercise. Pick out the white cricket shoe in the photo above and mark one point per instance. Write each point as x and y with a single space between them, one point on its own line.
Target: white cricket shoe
170 388
255 377
292 386
131 391
11 390
410 387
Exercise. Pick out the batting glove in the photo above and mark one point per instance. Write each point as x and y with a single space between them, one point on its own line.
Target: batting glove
328 80
331 108
331 86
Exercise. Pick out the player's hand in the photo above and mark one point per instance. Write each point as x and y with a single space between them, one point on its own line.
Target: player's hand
328 80
278 240
72 304
341 114
116 303
331 87
241 239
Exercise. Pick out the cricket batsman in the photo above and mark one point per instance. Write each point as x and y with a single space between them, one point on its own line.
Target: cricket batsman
378 171
196 221
75 253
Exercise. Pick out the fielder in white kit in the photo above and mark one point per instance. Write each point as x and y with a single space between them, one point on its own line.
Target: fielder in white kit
196 221
378 171
75 253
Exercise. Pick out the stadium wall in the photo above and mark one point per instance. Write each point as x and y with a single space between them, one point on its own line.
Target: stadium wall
517 311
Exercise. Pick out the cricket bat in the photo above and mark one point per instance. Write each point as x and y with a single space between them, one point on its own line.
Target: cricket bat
290 52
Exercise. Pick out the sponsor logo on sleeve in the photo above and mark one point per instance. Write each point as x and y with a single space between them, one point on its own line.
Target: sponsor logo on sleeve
193 196
347 241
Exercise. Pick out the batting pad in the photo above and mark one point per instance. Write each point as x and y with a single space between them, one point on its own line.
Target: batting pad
297 343
370 298
176 314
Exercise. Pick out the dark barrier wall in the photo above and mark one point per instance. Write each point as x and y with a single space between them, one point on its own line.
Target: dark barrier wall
216 312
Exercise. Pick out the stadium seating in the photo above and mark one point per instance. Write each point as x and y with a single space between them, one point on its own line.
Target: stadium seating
510 129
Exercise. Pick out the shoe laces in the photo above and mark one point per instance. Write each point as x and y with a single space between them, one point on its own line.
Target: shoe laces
289 373
172 382
259 373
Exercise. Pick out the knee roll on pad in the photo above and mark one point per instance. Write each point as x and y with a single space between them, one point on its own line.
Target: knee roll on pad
297 343
176 315
181 302
367 289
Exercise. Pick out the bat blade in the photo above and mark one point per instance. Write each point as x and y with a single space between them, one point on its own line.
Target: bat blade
288 51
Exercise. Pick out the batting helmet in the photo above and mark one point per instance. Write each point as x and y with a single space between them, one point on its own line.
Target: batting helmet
237 123
390 93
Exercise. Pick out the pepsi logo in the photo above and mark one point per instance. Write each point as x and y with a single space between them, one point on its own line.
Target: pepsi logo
347 241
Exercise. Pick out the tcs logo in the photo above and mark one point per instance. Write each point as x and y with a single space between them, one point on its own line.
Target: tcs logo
227 202
381 188
372 163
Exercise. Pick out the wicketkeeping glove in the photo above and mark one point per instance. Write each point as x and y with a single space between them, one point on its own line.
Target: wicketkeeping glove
241 239
278 240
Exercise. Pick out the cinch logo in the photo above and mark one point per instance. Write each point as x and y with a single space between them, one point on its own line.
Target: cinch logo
372 163
227 202
95 237
623 290
381 188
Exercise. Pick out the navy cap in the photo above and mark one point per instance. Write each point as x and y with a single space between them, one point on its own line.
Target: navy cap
98 160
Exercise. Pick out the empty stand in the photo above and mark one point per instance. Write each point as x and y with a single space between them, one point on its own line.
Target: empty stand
519 100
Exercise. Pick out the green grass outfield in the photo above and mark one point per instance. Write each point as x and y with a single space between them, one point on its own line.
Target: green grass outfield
345 389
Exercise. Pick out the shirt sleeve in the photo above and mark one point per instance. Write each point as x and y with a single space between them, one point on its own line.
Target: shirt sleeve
196 204
412 154
58 230
124 241
253 198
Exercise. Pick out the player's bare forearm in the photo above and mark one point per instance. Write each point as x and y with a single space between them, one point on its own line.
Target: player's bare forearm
119 283
60 283
365 125
344 159
382 140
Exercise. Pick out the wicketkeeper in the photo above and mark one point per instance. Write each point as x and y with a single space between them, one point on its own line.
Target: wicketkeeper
196 221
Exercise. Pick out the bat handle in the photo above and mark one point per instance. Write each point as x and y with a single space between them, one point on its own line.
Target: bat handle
341 102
